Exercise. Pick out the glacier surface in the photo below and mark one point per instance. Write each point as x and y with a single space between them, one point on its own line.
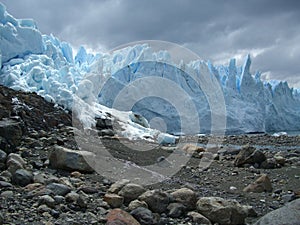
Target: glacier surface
31 61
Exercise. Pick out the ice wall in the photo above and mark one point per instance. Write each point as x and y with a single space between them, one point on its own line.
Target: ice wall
31 61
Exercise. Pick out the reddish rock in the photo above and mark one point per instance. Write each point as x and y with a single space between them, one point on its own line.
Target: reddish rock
262 184
120 217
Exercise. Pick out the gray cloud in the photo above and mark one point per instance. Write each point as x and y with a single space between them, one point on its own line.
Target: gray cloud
217 30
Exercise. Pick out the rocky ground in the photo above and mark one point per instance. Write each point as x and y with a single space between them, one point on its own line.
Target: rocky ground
44 178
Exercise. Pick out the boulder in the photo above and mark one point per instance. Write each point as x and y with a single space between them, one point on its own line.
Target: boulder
185 196
249 155
58 189
131 192
219 210
143 215
262 184
22 177
3 157
117 186
156 200
176 210
288 214
120 217
71 160
198 218
137 203
114 200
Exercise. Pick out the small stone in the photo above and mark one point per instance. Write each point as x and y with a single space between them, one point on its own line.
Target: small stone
262 184
191 149
47 200
1 219
176 210
43 208
22 177
7 194
131 192
4 184
185 196
137 203
58 189
117 186
3 157
81 202
59 199
198 218
72 196
114 200
143 215
120 217
76 174
279 159
288 197
156 200
269 164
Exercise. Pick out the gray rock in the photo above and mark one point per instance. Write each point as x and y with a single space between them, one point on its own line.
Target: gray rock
59 199
198 218
249 155
14 162
219 210
58 189
185 196
114 200
47 200
1 219
156 200
143 216
3 157
117 186
176 210
262 184
288 215
7 194
22 177
106 132
71 160
137 203
72 197
4 184
131 192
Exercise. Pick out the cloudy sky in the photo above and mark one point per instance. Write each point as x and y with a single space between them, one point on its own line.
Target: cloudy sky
216 30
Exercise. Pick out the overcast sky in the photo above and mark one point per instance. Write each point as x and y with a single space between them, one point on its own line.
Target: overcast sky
216 30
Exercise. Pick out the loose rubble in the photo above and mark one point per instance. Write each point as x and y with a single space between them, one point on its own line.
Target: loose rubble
44 178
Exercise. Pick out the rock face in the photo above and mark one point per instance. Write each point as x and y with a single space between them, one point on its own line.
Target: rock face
262 184
249 155
219 210
120 217
288 214
72 160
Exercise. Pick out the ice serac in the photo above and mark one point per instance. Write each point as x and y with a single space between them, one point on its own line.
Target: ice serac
30 61
18 37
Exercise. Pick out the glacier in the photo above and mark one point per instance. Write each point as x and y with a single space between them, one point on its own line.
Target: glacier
95 83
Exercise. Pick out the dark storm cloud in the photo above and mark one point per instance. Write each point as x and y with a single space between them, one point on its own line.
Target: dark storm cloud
217 30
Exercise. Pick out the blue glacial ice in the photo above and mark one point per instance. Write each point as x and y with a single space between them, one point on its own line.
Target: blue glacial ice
31 61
